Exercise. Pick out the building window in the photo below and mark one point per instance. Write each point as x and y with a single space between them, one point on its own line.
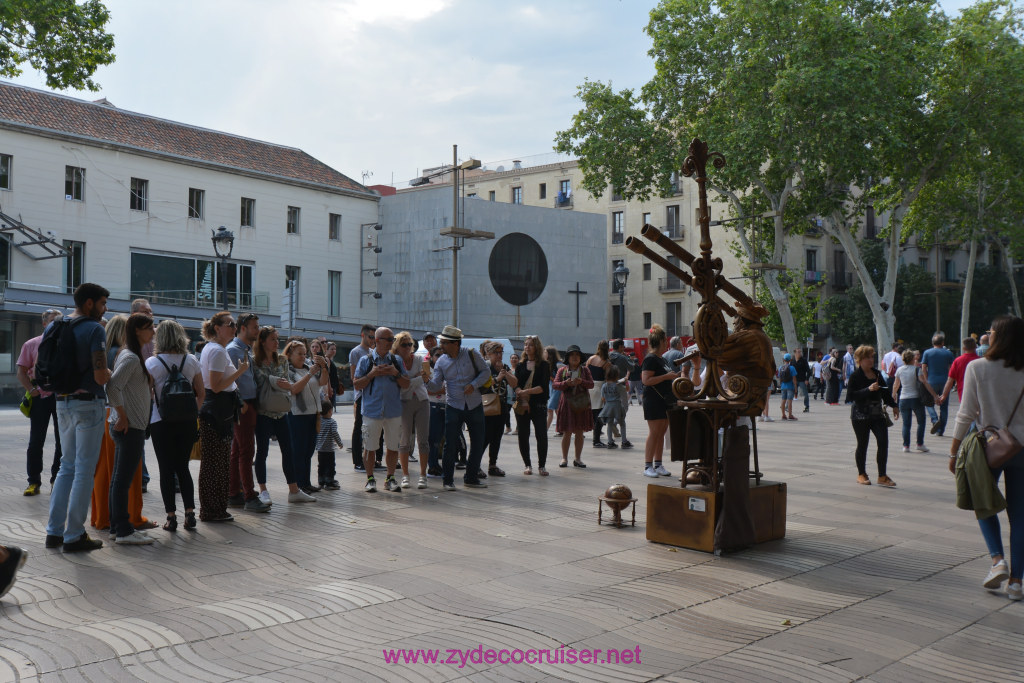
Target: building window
615 284
647 272
291 274
517 195
6 161
812 260
839 258
334 227
248 217
616 194
673 312
186 281
542 191
565 187
490 195
647 320
950 270
74 183
923 262
646 220
293 220
471 195
672 216
138 198
334 293
74 265
618 231
196 203
5 260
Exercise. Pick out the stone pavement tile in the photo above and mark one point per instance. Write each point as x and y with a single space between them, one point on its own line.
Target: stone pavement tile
59 650
987 647
1009 619
754 663
170 665
674 632
655 661
16 665
556 620
858 651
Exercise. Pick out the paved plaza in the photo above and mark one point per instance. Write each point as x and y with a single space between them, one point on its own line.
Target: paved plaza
869 583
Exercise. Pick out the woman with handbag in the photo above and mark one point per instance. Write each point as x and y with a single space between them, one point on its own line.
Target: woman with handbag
305 409
575 415
173 441
274 393
495 407
993 391
532 378
910 392
415 409
217 417
867 392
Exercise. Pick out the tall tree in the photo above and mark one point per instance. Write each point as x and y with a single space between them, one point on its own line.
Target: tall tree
65 40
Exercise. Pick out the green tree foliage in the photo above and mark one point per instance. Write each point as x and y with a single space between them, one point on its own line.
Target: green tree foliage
65 40
803 303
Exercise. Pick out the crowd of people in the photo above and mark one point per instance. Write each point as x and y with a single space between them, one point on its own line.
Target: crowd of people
441 409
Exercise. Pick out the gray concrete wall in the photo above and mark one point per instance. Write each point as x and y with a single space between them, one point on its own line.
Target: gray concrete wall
416 281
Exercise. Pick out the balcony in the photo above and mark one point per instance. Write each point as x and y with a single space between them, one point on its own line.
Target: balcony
563 202
814 277
670 284
673 232
841 280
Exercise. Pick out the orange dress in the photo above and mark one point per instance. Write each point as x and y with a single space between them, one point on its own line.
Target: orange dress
100 515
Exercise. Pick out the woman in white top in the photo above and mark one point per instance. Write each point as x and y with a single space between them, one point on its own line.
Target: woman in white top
305 408
173 440
128 393
993 389
217 417
415 410
908 379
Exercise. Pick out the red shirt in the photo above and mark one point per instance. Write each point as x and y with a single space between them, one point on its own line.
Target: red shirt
958 368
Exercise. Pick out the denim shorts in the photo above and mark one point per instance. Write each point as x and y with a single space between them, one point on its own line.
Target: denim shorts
787 394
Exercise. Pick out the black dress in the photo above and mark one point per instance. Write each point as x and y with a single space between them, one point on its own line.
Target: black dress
655 404
832 385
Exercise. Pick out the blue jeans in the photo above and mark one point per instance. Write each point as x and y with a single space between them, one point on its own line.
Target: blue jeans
127 455
908 407
437 413
81 425
453 421
943 413
1014 486
265 426
801 389
303 429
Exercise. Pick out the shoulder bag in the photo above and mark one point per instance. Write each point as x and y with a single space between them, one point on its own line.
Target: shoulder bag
273 399
522 404
1000 444
578 398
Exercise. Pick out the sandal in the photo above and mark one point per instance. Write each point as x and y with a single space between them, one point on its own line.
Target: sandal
863 479
172 523
528 470
190 520
542 472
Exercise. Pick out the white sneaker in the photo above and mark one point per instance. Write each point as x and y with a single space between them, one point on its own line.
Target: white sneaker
300 496
662 472
769 419
922 449
906 449
135 538
760 418
1014 591
405 482
996 575
650 472
422 483
265 498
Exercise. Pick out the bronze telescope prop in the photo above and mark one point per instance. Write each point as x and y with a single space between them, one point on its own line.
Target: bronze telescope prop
653 234
638 247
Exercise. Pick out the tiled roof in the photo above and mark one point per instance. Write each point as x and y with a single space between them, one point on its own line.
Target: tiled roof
98 121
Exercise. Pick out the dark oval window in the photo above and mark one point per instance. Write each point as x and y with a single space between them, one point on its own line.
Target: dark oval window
518 269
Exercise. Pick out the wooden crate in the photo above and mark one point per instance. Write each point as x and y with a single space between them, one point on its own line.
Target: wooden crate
687 517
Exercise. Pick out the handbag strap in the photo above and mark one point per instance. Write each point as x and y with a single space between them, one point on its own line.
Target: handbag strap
1015 406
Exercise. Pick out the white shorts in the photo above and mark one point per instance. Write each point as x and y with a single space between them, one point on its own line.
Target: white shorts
373 426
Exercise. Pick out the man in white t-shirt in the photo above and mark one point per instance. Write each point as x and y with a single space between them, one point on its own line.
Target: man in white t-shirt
892 361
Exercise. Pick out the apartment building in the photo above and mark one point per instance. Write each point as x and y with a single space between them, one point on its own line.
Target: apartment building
89 192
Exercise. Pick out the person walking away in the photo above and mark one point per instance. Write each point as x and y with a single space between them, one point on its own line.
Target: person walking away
935 364
533 379
597 365
657 379
832 371
130 395
907 389
787 383
44 407
80 413
613 412
993 391
803 376
326 440
173 438
381 378
217 417
241 491
867 393
501 379
575 417
967 356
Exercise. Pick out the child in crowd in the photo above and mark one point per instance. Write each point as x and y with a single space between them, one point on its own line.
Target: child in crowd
325 442
613 412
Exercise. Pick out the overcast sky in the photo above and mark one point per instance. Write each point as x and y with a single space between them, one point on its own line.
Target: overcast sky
380 86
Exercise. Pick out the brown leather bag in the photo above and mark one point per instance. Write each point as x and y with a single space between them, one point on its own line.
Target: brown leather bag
1000 445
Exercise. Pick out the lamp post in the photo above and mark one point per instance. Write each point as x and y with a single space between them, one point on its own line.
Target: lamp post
223 244
621 275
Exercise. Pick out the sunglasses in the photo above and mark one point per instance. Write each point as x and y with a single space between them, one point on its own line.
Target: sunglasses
406 345
229 324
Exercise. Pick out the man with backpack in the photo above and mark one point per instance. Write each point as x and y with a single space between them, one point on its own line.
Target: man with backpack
380 376
72 363
44 406
241 491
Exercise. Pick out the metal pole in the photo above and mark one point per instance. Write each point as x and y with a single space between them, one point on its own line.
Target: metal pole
223 283
455 284
455 239
937 322
622 312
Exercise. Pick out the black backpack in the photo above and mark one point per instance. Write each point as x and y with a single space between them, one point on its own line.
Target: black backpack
177 400
57 368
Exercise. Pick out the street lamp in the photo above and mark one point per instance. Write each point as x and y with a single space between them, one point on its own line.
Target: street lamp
621 275
223 244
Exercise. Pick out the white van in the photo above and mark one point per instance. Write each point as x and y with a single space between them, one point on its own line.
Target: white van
475 342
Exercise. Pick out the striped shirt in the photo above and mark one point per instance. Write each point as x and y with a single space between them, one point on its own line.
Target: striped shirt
328 436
